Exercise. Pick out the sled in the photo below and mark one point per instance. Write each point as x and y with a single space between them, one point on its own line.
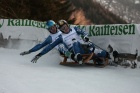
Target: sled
86 59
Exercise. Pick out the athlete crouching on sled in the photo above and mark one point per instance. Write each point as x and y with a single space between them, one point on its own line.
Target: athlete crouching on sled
71 37
54 33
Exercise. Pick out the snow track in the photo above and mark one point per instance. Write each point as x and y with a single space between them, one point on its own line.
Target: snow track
19 75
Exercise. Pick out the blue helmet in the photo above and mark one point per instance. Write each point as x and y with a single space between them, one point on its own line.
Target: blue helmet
50 23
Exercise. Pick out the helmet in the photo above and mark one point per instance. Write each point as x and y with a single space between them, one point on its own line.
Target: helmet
61 23
50 23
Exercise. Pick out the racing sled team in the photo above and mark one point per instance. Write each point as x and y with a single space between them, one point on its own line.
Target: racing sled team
69 41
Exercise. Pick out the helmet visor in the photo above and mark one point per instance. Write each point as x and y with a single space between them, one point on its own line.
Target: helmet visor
64 28
61 23
53 29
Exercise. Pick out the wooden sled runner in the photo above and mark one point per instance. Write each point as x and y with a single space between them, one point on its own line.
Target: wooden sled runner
86 59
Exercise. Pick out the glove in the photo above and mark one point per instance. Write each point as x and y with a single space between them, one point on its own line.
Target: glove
34 60
86 39
74 40
24 53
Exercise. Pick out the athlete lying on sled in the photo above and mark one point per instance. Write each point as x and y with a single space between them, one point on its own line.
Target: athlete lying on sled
71 38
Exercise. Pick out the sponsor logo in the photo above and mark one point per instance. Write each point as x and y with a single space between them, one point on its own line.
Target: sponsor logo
26 22
110 30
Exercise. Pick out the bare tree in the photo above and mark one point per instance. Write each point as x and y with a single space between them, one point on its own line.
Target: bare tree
129 10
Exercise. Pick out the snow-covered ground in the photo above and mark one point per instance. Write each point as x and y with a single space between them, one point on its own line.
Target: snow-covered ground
19 75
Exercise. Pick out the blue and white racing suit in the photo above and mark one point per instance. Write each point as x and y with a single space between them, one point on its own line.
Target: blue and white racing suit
71 40
51 38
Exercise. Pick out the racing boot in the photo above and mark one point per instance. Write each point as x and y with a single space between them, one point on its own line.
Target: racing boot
78 58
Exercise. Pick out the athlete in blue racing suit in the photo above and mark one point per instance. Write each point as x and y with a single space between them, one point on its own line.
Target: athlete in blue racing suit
71 37
54 33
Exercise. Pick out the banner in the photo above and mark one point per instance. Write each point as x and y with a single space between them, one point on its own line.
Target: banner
124 38
23 29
